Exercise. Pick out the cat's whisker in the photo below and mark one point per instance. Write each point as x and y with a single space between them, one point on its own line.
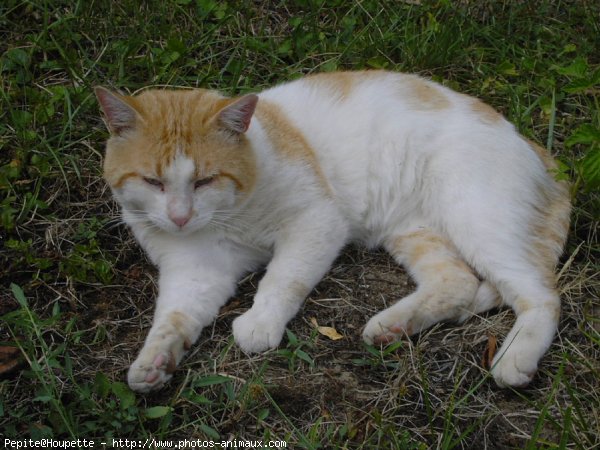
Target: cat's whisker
227 226
116 225
237 212
120 220
234 220
229 219
149 226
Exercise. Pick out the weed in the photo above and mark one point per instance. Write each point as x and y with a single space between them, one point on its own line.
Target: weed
294 351
385 357
82 292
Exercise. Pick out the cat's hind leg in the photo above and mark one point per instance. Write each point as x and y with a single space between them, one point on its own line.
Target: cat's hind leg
487 297
517 252
528 288
447 288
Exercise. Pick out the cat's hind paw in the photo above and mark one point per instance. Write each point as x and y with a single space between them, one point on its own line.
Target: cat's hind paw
256 332
511 370
378 333
390 325
146 376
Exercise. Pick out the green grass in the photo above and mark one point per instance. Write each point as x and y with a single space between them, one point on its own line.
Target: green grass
77 293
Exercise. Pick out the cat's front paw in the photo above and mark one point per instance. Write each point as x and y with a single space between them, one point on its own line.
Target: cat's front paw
256 332
157 361
147 374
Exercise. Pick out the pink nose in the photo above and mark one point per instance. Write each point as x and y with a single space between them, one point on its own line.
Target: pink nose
180 221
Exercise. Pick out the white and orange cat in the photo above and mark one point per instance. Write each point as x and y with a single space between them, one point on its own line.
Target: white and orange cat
214 187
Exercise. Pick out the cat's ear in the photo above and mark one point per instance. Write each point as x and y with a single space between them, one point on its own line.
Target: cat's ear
237 114
120 115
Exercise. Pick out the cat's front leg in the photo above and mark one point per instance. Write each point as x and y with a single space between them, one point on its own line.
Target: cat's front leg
303 253
169 338
191 292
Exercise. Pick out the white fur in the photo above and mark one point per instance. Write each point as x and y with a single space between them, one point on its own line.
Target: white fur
391 169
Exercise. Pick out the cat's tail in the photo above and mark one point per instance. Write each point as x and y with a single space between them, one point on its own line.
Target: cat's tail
549 235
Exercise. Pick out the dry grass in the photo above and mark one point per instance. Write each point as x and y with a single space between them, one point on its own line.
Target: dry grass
89 290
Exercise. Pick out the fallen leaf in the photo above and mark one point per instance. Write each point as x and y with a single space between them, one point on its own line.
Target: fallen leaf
10 358
232 305
330 332
489 352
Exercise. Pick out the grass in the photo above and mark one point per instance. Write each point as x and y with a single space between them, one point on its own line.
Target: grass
77 292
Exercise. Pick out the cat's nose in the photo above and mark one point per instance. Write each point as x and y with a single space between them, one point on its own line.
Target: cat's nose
180 221
179 210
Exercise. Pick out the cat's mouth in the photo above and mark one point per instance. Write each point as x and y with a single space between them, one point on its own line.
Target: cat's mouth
195 224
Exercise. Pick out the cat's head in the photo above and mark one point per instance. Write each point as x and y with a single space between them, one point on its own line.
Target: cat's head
178 159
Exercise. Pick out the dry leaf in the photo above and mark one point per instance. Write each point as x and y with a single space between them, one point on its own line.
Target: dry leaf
489 352
330 332
10 358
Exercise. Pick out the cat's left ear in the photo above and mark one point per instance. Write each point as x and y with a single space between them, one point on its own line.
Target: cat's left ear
236 116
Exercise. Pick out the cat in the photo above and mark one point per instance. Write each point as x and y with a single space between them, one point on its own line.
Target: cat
214 187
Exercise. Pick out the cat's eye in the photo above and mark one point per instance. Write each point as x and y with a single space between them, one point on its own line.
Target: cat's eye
203 182
154 182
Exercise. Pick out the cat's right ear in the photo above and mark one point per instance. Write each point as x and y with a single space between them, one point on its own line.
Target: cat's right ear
120 115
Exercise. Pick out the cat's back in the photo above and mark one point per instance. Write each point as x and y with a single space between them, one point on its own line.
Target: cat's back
359 109
366 93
